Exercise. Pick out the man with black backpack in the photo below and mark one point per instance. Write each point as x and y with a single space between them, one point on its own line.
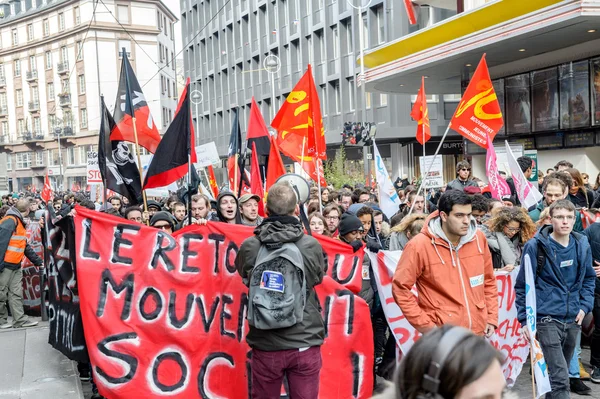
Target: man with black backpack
564 284
281 266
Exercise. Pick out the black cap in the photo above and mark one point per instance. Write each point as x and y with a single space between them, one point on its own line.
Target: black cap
164 216
349 223
153 203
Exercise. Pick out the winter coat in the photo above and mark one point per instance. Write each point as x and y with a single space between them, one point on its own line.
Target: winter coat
217 216
398 241
553 297
581 199
7 228
458 184
593 235
311 330
510 249
456 285
535 216
366 290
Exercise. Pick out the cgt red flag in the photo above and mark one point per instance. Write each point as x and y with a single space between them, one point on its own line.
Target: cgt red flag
47 190
301 135
478 116
130 104
420 113
170 162
212 182
256 185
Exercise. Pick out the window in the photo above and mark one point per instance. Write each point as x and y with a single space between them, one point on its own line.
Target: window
71 156
380 25
365 31
19 96
20 127
77 15
126 44
83 120
48 60
351 94
123 14
3 100
64 55
15 37
35 95
81 84
51 122
349 41
79 50
23 160
383 100
61 21
53 158
68 118
336 49
39 157
66 88
37 125
50 91
2 71
32 63
17 68
338 99
46 27
8 156
30 32
5 129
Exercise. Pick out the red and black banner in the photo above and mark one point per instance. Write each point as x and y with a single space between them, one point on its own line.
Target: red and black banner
166 315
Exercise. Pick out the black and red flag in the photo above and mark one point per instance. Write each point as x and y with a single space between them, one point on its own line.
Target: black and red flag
131 103
238 178
115 161
170 161
257 131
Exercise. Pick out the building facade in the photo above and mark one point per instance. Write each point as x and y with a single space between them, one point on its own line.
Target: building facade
227 42
56 58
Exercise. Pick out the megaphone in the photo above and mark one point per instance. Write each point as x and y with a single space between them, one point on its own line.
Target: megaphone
299 184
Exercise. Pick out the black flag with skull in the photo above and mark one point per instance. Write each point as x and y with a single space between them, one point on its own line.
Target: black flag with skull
116 162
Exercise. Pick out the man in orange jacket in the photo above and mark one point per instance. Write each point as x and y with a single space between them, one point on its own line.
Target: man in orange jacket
13 247
451 265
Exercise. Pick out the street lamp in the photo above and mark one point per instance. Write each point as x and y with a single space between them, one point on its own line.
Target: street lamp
196 97
272 64
361 79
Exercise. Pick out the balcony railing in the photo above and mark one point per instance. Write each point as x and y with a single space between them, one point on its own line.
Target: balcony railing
64 99
34 106
32 75
63 67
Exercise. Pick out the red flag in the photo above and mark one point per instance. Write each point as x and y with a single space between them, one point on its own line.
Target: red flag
275 168
47 190
420 113
131 103
257 130
478 115
301 135
170 162
256 185
410 11
212 182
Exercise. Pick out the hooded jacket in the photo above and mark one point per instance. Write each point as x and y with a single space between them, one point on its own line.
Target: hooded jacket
456 285
218 216
535 214
553 297
7 229
278 230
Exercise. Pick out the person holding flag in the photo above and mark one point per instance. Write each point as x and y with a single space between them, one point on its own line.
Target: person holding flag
564 281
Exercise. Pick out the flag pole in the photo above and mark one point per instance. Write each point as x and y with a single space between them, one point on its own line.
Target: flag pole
437 151
424 160
189 184
302 153
139 159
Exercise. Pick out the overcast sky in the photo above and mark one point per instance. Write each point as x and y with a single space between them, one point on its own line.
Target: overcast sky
174 7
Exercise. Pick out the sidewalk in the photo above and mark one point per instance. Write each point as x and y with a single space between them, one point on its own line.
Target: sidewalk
31 369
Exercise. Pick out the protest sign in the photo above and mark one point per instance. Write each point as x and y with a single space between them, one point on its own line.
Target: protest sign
166 315
507 338
435 178
93 169
66 327
32 290
207 155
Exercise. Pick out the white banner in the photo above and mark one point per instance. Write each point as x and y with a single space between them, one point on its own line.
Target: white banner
435 179
528 195
507 338
207 155
93 170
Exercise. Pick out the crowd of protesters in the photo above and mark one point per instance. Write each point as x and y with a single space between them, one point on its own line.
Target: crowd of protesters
443 233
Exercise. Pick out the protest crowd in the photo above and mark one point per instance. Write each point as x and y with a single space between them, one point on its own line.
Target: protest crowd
287 281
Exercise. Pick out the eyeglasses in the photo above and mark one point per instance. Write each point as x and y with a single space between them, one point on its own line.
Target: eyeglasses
512 229
564 217
468 170
163 226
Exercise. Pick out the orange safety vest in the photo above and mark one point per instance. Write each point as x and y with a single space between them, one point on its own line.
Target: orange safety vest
18 241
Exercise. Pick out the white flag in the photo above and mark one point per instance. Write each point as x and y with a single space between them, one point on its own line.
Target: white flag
527 193
539 363
389 201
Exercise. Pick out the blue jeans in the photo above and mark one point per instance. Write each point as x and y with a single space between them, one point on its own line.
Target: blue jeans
558 341
574 363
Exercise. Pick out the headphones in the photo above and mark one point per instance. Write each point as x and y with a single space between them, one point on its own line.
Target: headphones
431 381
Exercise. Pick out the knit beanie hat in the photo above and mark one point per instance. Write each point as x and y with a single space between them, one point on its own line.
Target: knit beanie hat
349 223
164 216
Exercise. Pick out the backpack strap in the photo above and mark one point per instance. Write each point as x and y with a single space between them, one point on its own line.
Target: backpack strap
541 260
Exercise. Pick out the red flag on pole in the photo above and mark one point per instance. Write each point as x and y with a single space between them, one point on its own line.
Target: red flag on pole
212 182
256 185
478 116
257 130
47 190
420 113
275 169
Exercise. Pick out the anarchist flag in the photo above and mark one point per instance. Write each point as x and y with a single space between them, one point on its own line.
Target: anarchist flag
238 180
115 160
170 161
131 103
420 113
257 131
257 186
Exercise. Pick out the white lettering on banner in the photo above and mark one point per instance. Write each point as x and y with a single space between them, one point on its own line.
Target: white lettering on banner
483 125
507 338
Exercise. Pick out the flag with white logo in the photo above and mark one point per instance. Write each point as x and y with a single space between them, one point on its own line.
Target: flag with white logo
528 194
389 200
